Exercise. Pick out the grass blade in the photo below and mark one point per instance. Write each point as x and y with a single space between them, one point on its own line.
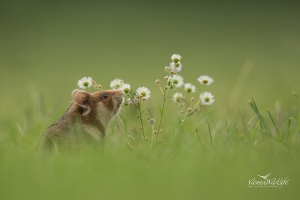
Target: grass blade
275 125
201 143
210 135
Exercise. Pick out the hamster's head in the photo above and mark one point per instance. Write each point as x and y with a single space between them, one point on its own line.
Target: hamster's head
97 106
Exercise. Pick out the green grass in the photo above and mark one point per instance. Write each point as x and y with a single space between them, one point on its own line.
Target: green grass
202 162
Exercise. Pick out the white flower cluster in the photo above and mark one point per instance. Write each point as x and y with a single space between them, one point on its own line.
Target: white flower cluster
176 65
176 81
142 93
206 98
173 81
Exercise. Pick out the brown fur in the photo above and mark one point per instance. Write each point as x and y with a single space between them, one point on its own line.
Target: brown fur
88 114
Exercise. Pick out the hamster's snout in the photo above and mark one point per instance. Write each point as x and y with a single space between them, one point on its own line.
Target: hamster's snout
119 97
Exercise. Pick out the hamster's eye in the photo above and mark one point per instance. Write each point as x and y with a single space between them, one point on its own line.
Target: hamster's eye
104 96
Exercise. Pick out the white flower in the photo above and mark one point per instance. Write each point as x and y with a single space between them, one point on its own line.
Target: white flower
177 97
189 87
176 57
125 88
205 80
176 80
206 98
176 66
116 84
85 82
143 93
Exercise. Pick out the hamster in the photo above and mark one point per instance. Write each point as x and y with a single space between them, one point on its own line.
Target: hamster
88 115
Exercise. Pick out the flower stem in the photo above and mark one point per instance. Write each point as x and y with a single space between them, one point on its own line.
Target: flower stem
138 105
162 112
142 124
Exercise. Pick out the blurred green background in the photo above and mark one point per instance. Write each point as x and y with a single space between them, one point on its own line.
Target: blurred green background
250 48
49 45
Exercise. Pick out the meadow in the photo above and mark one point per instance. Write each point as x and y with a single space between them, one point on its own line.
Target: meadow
250 49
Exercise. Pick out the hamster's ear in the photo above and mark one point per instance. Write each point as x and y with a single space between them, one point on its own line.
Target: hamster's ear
83 99
74 92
